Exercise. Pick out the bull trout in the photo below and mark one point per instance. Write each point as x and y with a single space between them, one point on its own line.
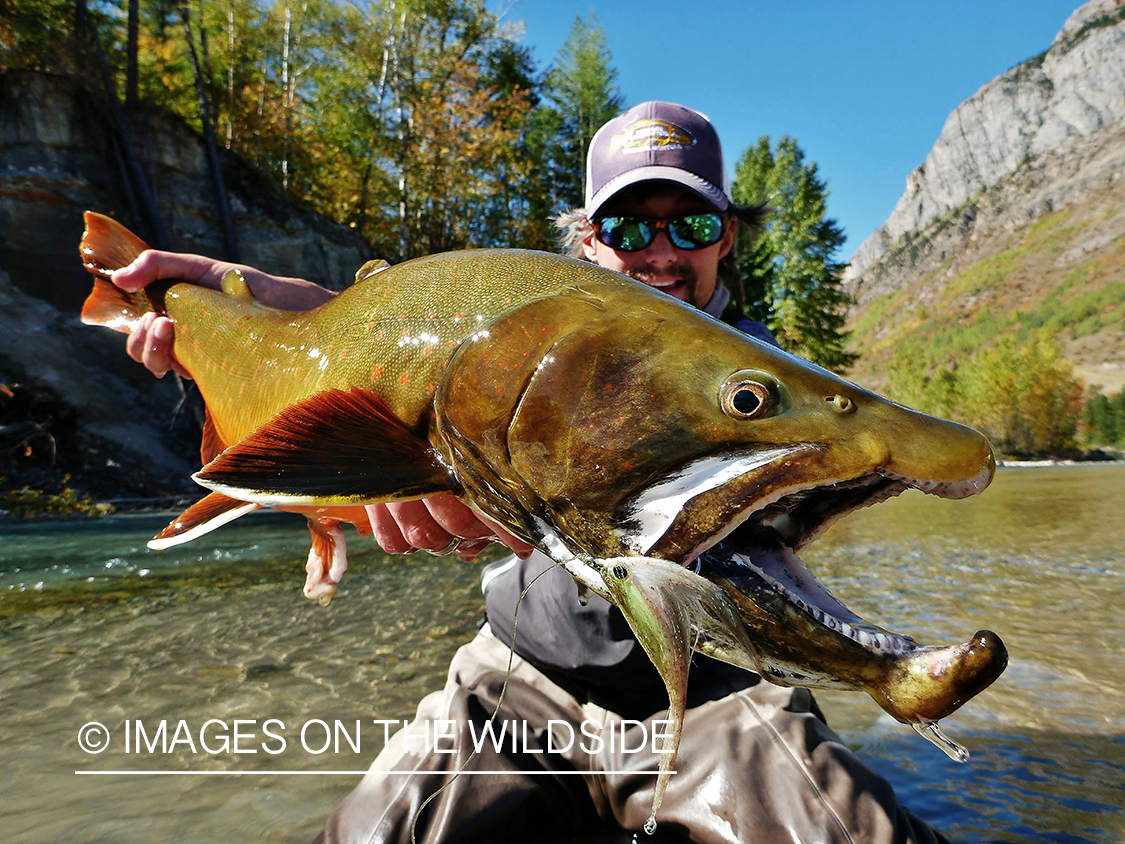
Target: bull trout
671 464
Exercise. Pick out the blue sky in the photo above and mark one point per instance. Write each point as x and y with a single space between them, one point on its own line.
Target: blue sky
864 87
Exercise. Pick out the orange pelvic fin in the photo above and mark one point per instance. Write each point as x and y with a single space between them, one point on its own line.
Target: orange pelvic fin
328 560
336 447
202 517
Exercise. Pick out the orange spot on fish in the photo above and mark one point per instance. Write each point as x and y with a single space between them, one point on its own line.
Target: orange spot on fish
426 351
376 372
404 378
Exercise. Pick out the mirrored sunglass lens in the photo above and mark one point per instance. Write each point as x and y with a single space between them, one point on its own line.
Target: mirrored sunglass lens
625 233
696 231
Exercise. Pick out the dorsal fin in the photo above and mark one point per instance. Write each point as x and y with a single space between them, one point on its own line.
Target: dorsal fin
336 447
369 269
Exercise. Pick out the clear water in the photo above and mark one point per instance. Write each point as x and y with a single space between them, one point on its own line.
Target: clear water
93 627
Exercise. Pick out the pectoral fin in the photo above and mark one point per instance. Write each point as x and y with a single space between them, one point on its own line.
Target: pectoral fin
336 447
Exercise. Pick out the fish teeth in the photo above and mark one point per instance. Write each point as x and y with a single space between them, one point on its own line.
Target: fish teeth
889 644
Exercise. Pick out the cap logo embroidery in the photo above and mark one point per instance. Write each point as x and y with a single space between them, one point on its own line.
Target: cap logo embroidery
652 134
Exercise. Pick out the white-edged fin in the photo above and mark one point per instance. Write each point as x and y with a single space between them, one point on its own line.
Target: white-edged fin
336 447
655 509
932 733
277 499
225 517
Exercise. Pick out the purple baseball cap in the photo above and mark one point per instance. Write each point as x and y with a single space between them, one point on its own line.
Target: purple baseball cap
656 140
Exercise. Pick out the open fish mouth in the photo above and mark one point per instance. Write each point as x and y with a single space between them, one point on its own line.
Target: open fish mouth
803 635
759 551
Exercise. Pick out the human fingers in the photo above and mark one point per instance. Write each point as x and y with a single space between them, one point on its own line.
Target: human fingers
457 518
386 531
460 521
522 549
419 527
157 356
155 265
147 344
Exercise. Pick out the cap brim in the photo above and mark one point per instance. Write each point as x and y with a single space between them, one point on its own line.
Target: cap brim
701 187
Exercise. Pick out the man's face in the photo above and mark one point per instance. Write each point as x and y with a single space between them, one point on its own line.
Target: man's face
687 274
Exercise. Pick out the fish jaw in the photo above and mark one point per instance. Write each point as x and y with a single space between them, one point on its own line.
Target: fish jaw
803 636
800 633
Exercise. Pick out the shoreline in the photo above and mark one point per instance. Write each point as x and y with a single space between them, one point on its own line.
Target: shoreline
173 505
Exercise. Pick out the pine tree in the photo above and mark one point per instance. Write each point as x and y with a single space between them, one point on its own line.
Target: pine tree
581 94
792 275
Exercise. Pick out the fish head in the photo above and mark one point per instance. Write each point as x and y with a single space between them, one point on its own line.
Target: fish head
629 423
616 423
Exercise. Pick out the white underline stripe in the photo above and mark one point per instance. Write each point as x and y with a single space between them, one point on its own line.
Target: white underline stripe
346 773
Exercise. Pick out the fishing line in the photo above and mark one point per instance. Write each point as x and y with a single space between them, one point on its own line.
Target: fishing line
495 712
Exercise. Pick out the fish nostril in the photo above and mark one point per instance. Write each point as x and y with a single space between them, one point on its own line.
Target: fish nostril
841 404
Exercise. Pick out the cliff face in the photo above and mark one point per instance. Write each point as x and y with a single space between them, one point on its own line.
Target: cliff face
1053 105
1044 141
58 159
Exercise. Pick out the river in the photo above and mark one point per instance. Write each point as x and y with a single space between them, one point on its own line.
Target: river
95 628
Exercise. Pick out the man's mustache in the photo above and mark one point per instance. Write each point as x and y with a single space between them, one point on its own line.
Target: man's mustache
681 271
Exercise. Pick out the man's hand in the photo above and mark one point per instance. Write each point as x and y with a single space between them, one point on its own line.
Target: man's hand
433 524
151 342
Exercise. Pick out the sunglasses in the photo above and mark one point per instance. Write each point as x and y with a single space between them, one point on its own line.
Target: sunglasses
632 234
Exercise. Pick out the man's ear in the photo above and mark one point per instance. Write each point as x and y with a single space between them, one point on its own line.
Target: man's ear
589 247
726 244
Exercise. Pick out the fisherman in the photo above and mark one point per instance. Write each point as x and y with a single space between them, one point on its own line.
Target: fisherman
756 762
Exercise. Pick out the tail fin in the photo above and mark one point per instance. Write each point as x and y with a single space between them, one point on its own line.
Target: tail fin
107 246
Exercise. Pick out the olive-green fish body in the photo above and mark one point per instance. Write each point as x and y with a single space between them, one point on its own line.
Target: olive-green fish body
392 332
670 463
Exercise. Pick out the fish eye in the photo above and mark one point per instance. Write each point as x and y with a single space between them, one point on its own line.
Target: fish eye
620 572
746 400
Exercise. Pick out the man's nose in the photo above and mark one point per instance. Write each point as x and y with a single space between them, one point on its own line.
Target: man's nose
661 250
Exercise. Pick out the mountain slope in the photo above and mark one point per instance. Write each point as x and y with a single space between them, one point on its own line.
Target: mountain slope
1016 220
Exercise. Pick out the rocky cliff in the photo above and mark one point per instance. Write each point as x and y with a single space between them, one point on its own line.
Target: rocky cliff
69 389
1043 143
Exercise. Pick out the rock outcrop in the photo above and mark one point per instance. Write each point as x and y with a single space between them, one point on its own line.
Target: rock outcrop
1016 215
57 159
1052 109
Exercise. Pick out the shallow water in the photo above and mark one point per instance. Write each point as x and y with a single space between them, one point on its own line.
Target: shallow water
93 627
